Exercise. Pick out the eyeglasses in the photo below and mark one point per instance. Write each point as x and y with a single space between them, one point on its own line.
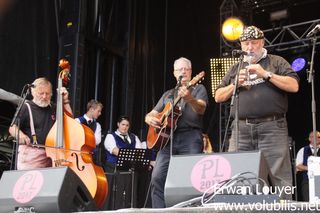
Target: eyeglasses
183 68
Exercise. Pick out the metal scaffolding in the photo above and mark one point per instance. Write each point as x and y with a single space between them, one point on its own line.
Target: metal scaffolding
289 37
228 8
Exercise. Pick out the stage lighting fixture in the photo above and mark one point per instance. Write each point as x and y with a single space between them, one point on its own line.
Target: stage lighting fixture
219 67
279 15
298 64
232 28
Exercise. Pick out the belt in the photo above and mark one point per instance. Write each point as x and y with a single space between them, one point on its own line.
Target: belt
185 129
263 119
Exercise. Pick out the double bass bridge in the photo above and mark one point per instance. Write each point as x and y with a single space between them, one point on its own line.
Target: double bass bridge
62 162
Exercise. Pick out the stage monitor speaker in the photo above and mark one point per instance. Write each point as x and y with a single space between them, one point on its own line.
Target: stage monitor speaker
44 190
120 185
189 176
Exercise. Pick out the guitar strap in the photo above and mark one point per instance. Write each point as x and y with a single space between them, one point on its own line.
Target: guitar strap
33 132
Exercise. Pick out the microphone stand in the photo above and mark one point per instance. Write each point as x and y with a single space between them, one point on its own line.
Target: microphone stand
235 97
313 102
16 119
172 116
172 112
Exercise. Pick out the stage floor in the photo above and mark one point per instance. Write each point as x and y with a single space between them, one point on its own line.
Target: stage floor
284 206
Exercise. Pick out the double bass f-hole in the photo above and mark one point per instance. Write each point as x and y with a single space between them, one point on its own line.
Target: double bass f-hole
64 162
77 161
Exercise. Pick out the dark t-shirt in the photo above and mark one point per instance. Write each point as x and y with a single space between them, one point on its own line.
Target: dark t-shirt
189 118
43 118
263 98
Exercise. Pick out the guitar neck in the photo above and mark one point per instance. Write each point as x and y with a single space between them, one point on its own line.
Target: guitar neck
176 101
159 137
59 115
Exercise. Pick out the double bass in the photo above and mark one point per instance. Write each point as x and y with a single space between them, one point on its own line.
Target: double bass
71 144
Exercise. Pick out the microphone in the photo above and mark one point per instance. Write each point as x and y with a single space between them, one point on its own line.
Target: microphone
241 52
31 86
179 81
314 31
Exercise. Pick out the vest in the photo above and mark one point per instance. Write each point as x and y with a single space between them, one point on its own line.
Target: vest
111 158
306 154
92 126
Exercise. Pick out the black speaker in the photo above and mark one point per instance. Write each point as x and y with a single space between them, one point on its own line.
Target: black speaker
120 190
189 176
44 190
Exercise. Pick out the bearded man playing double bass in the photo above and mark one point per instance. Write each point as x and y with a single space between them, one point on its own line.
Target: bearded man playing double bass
34 131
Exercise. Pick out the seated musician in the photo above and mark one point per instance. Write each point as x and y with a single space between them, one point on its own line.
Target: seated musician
121 138
89 119
42 115
302 165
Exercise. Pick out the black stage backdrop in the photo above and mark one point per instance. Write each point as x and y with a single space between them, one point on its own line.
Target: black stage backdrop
128 57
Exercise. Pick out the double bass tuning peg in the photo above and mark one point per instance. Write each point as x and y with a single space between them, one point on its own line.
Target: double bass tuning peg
64 64
65 70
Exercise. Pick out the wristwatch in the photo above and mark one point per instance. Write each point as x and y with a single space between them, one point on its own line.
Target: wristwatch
268 76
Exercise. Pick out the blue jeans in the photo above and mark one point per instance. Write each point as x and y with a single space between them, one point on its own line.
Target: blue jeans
271 138
184 142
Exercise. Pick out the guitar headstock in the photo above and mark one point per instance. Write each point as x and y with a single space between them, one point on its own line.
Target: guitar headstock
197 78
64 74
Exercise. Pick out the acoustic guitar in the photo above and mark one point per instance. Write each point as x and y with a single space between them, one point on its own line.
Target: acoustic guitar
158 137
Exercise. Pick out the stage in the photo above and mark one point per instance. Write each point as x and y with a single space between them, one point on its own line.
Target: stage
61 190
285 206
27 191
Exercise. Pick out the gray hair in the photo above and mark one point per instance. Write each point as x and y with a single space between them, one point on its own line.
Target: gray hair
182 59
41 82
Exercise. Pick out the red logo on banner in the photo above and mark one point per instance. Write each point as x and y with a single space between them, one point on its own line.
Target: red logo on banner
209 171
27 186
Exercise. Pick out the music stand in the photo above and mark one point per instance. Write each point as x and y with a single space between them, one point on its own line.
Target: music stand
133 160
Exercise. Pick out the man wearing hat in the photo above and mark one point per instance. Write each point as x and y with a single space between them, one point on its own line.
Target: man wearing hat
263 83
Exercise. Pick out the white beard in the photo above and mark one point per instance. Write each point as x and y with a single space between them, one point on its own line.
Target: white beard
41 103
